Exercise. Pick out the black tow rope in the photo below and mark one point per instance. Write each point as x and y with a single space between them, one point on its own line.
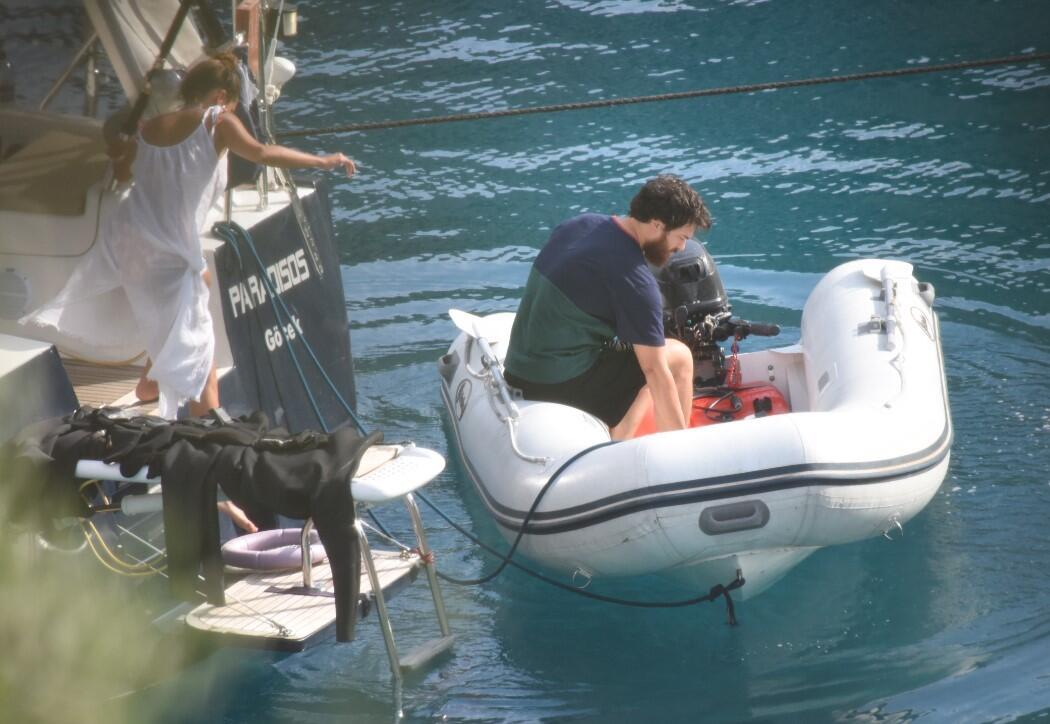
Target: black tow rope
681 95
721 590
506 559
713 594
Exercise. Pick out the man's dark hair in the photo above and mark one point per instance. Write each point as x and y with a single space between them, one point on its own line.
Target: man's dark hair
671 200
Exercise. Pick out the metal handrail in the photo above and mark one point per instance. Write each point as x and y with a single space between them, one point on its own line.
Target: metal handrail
304 547
73 65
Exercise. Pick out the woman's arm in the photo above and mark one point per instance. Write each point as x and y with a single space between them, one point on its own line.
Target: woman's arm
121 149
230 133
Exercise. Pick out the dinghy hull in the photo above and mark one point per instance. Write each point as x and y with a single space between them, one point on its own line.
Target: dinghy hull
863 450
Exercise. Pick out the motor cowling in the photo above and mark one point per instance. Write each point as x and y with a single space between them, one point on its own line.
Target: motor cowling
692 289
696 311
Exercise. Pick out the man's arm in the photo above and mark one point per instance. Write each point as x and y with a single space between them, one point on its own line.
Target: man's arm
660 381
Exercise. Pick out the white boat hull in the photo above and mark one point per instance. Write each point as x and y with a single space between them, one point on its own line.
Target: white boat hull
864 449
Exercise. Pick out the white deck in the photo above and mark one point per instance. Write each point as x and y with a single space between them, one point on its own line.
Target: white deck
260 617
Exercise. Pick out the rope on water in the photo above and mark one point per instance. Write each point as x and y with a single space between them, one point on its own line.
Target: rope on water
682 95
715 592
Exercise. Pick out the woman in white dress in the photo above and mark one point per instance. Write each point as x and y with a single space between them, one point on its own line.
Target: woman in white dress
150 246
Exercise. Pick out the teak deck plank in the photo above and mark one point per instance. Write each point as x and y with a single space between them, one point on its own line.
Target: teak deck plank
253 611
98 385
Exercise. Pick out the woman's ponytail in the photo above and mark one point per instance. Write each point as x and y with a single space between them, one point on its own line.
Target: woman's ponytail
218 72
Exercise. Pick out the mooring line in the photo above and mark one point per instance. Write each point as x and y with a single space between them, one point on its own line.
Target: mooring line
682 95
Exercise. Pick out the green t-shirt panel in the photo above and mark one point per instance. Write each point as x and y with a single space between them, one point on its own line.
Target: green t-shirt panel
553 339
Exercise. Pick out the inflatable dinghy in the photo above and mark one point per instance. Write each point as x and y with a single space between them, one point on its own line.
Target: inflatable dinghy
841 437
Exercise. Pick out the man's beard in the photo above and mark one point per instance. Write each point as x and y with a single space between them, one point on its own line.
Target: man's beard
658 252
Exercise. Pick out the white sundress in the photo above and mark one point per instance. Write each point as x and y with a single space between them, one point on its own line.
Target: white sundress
149 247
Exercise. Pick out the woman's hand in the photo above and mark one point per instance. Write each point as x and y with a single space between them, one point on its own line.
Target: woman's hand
239 518
121 151
337 160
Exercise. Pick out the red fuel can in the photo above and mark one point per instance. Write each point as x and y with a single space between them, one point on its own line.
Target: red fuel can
725 404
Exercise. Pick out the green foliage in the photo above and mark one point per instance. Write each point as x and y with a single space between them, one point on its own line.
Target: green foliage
76 637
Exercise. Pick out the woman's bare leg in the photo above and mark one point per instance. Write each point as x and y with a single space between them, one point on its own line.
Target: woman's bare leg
147 390
209 397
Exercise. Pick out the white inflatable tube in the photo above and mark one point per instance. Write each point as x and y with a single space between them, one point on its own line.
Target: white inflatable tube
271 550
865 447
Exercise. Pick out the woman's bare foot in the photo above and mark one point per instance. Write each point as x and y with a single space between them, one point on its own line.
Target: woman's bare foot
147 390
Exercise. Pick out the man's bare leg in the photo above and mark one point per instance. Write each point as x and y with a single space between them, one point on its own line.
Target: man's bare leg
680 360
625 428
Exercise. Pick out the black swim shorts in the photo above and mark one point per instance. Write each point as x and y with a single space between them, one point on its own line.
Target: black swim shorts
606 390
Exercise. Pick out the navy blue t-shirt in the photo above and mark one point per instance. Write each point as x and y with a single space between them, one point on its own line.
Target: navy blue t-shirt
590 283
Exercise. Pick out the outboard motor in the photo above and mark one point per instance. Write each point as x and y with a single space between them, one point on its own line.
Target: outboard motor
692 290
698 313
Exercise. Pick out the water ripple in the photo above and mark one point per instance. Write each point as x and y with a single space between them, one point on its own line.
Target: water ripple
612 8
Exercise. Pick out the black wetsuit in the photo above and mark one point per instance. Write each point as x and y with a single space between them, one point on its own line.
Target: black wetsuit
307 475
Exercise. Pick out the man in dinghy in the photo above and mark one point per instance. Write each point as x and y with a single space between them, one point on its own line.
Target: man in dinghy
589 331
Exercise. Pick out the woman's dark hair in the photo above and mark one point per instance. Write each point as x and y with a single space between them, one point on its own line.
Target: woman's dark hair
671 200
215 73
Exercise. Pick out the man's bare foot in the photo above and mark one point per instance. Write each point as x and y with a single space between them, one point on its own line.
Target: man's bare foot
147 390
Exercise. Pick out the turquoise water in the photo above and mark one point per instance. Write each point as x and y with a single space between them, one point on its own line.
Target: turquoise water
951 172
